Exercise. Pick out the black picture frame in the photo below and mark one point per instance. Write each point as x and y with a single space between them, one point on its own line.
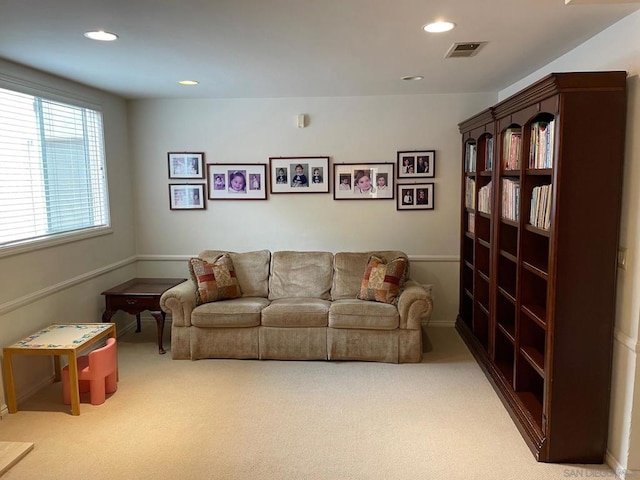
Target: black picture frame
415 196
416 164
346 177
285 170
187 196
222 177
186 165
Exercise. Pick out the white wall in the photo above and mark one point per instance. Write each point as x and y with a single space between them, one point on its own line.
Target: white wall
349 130
63 283
618 48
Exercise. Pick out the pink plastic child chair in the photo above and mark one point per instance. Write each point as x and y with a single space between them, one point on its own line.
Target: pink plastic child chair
97 374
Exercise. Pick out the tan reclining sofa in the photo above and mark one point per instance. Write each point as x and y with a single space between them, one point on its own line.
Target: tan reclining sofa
296 305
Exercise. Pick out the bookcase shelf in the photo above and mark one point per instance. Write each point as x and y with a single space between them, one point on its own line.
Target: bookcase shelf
535 358
526 311
536 313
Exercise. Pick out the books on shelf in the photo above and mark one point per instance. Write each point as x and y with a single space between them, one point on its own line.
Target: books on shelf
470 193
541 151
484 199
510 199
470 158
512 148
540 214
471 222
488 154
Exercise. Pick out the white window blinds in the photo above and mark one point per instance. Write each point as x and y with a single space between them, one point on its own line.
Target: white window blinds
52 170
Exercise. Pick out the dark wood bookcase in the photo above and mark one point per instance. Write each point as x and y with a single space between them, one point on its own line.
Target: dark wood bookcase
538 270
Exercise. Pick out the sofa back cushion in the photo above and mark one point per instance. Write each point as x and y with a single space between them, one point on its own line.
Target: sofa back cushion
349 268
252 270
301 274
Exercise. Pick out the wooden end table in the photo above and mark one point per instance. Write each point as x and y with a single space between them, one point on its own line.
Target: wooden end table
137 295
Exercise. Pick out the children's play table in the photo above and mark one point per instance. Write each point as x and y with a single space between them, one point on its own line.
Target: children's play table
57 340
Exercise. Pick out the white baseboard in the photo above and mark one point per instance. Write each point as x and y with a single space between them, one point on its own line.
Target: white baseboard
440 323
620 472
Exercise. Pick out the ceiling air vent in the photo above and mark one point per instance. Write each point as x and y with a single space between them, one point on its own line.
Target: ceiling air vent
463 49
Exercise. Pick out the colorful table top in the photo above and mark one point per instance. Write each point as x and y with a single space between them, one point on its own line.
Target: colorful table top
62 336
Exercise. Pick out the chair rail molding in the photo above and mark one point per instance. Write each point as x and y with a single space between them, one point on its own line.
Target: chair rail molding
45 292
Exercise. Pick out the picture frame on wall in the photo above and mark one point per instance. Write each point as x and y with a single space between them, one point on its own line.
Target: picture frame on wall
186 196
186 165
237 181
299 174
415 196
363 181
417 164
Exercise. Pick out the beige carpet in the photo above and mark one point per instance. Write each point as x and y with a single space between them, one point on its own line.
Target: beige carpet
237 420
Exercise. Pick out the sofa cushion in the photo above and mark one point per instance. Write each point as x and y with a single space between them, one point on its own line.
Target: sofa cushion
349 269
382 282
361 314
301 274
252 270
296 312
240 312
214 280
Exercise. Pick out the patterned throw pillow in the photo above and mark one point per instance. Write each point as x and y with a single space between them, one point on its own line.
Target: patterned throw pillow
214 281
383 282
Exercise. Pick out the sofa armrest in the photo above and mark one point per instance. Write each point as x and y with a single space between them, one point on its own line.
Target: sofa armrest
414 305
180 301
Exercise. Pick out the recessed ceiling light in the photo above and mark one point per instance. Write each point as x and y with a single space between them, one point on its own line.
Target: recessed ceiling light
101 36
412 77
188 82
438 27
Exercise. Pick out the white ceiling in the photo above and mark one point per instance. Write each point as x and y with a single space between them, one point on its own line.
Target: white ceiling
284 48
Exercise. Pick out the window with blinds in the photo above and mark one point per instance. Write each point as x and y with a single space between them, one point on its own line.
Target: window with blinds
52 169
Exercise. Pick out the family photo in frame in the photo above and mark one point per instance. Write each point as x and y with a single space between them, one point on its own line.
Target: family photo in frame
363 181
415 196
299 174
186 196
186 165
417 164
237 181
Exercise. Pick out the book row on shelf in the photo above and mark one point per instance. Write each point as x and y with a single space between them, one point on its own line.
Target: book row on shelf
489 153
471 222
471 156
541 151
484 198
470 193
510 199
540 214
512 148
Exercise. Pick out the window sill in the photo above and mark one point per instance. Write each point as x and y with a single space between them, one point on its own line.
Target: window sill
51 241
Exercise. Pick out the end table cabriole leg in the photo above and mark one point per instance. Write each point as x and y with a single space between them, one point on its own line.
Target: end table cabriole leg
106 316
159 316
